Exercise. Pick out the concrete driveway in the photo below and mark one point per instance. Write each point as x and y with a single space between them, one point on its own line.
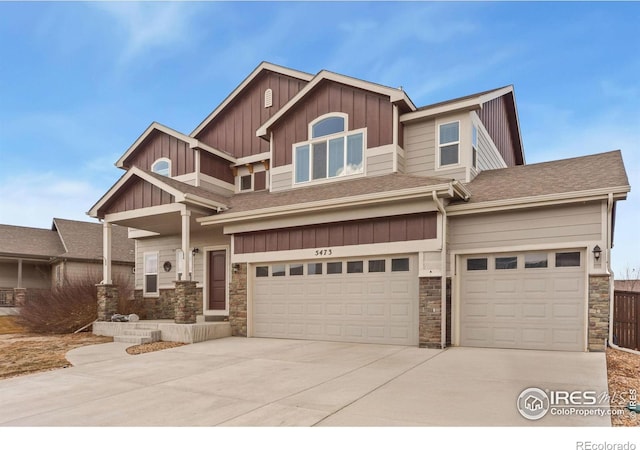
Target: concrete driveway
274 382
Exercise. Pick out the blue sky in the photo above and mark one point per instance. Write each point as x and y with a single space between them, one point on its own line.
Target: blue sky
79 82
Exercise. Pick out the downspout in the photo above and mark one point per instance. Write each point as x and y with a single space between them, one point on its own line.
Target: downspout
443 278
612 284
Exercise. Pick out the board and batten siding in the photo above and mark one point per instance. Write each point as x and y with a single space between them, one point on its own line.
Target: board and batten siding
357 232
234 130
160 145
139 194
539 226
365 110
166 247
495 117
216 167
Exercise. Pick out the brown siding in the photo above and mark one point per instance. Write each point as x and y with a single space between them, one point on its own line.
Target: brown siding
216 167
495 117
259 181
365 110
234 130
358 232
160 145
137 194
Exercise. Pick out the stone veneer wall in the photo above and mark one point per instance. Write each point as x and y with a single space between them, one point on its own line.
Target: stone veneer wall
163 306
186 302
430 310
599 302
238 300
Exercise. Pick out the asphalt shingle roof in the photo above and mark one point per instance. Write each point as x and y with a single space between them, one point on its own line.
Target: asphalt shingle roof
603 170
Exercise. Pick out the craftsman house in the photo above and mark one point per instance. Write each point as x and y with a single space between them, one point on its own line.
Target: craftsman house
36 259
331 208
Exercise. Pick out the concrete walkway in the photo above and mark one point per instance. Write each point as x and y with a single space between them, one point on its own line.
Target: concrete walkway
274 382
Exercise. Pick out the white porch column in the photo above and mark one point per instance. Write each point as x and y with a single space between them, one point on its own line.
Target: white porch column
186 232
19 274
106 253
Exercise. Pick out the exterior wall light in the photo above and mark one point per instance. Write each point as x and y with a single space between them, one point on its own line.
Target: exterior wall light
597 252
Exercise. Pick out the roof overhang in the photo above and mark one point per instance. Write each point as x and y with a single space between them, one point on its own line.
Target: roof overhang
180 197
395 95
193 143
468 103
618 193
445 190
261 67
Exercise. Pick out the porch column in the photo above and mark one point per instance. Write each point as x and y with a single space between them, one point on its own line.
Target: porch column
19 286
106 253
186 231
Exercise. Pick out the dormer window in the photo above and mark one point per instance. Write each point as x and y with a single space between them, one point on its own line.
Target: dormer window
332 151
449 143
162 167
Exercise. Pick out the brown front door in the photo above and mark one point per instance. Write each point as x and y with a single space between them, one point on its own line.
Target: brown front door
217 280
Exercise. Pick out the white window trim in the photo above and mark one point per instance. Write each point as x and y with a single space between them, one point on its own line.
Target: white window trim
144 274
161 160
326 116
268 98
439 145
328 137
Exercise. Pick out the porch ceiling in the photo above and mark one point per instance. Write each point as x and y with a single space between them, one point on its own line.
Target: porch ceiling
164 223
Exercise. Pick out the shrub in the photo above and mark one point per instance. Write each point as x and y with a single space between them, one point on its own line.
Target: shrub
71 306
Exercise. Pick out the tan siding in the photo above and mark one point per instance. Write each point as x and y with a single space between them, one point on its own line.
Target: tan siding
380 164
365 110
166 246
281 181
34 276
488 157
401 164
536 226
234 130
419 147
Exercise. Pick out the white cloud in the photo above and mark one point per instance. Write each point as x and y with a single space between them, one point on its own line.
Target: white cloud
151 27
34 199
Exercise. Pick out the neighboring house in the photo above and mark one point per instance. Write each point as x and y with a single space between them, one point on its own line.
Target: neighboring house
34 259
327 207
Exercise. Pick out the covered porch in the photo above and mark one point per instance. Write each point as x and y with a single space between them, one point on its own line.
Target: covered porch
180 271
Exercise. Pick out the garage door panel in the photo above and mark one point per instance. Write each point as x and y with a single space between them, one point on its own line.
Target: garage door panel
537 308
378 307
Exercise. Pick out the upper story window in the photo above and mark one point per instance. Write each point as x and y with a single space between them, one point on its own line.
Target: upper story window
162 167
332 151
449 143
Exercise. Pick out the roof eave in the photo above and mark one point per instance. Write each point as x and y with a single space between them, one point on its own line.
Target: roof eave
619 193
446 190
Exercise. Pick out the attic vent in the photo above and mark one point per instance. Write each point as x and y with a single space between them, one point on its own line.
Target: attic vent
268 98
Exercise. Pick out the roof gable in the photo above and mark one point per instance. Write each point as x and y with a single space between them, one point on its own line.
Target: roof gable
395 95
83 240
27 241
139 188
261 67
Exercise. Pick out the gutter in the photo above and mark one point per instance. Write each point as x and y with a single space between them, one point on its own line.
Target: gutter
443 275
612 284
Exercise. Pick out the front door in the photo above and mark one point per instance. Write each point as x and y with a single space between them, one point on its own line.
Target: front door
217 280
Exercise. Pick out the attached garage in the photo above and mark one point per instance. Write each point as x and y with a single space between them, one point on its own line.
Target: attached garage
366 300
525 300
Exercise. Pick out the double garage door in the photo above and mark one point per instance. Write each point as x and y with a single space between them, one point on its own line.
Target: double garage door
371 300
533 300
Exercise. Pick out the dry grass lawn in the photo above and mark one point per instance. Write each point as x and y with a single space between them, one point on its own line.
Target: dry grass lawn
623 373
24 353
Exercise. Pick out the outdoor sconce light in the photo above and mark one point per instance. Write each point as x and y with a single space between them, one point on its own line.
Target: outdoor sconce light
195 251
597 252
236 267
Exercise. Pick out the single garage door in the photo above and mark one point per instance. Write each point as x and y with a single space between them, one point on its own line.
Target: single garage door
533 300
370 300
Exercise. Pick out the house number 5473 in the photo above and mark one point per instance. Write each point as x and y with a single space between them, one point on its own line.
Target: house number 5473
324 252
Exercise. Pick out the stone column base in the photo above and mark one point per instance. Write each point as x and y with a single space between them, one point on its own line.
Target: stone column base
430 318
238 300
19 296
107 301
186 302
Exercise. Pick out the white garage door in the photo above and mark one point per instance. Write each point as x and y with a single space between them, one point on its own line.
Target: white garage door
371 300
532 300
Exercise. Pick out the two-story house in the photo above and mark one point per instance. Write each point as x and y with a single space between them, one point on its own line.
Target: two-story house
331 208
